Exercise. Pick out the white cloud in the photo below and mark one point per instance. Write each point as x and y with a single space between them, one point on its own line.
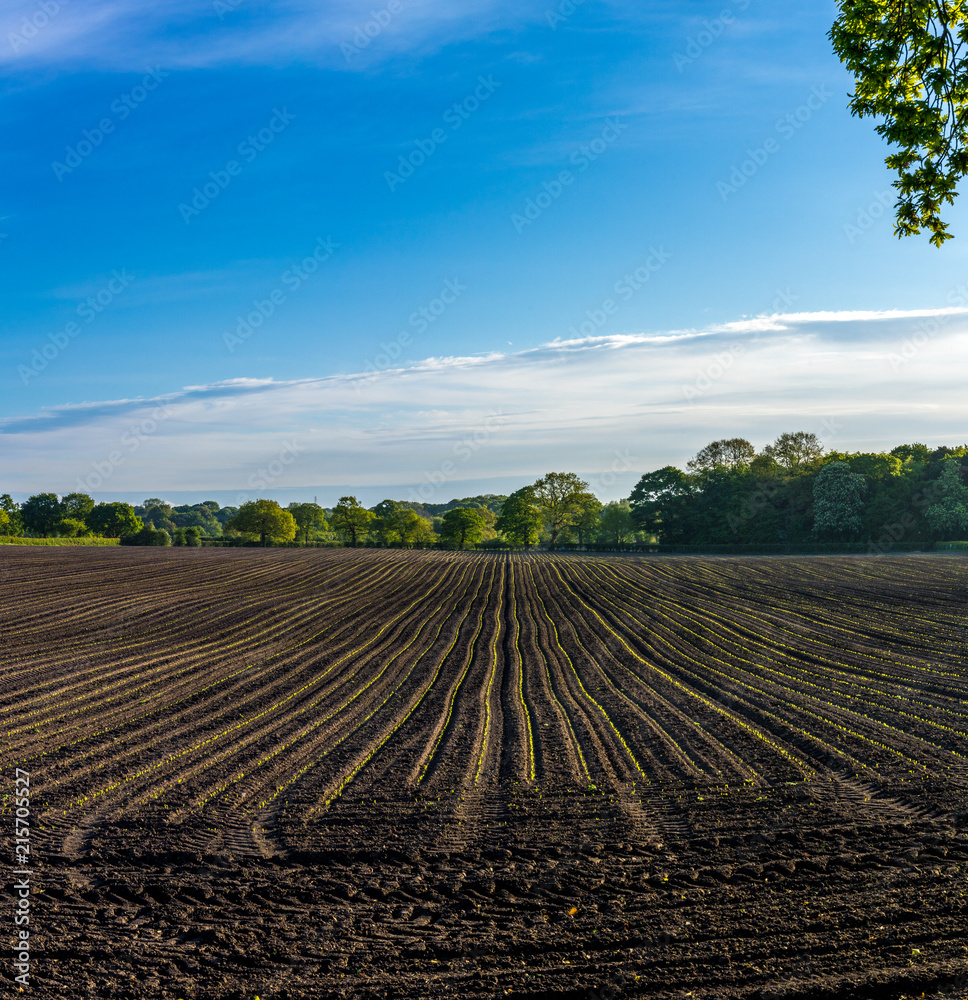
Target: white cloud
657 398
348 34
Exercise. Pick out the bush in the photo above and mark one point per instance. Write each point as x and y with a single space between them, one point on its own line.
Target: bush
495 544
71 527
147 536
193 537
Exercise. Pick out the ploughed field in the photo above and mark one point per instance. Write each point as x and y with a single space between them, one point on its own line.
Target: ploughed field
294 773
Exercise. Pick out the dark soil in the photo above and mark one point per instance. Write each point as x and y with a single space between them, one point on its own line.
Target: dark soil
383 774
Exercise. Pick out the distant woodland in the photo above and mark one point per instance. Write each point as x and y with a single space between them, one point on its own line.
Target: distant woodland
792 492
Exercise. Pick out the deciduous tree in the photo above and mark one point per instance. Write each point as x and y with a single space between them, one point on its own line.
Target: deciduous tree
618 525
730 452
948 515
114 520
41 512
520 520
387 520
910 63
198 516
158 512
413 529
351 519
77 506
9 515
463 525
838 502
656 499
309 517
912 452
71 527
586 518
147 536
558 496
794 451
266 519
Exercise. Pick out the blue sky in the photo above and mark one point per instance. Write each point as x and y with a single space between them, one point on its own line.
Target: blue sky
389 248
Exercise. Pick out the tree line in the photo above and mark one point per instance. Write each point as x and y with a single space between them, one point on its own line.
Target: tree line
790 492
556 509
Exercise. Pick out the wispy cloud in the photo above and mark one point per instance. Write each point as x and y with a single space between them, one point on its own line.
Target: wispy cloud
562 405
347 34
